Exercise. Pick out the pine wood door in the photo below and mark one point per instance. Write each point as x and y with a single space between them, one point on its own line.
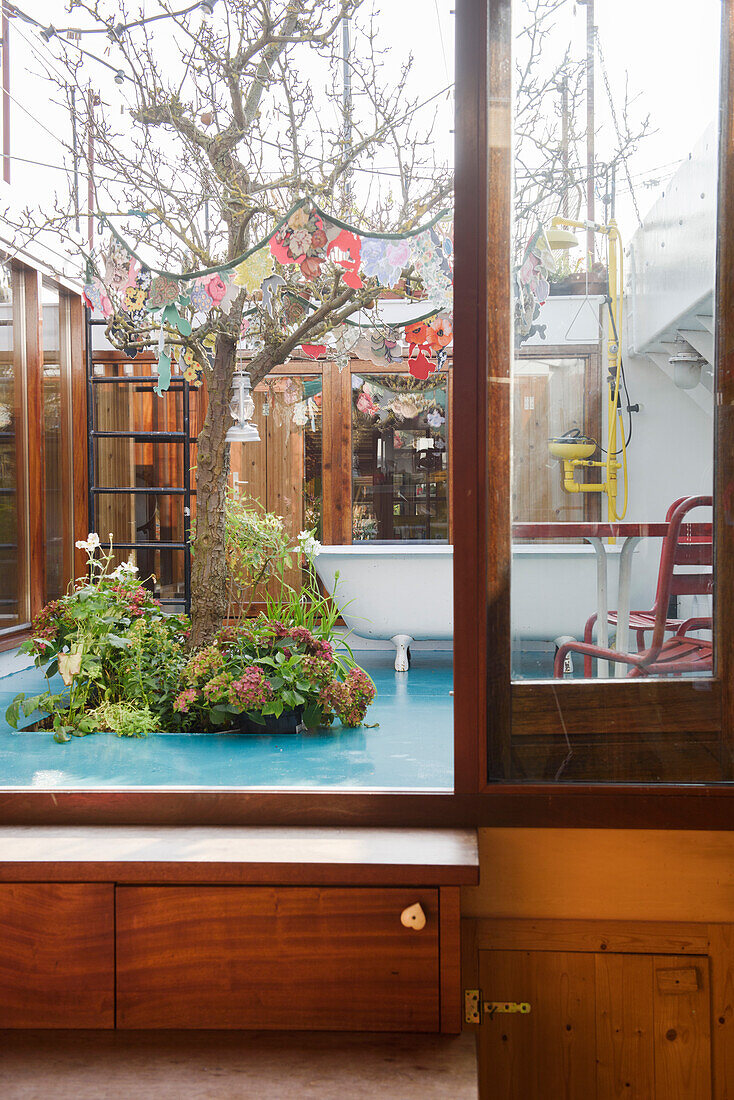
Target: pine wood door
602 1025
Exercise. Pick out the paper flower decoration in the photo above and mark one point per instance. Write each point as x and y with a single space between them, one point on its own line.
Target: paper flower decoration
163 292
120 267
299 218
366 405
300 414
96 297
193 371
404 408
427 256
439 333
253 271
419 365
201 301
216 289
349 245
435 418
303 241
416 333
134 299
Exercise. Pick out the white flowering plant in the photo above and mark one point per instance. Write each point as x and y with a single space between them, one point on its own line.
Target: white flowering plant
90 637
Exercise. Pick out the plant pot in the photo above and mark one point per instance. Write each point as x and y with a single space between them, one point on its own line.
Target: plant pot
290 721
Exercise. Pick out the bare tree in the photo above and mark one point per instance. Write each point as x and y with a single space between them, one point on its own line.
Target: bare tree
223 132
550 124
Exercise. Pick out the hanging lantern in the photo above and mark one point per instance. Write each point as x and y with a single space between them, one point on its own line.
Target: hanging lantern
242 408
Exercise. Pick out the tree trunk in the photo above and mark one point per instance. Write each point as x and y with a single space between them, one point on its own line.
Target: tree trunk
208 564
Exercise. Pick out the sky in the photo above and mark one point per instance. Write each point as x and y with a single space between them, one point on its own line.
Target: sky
668 59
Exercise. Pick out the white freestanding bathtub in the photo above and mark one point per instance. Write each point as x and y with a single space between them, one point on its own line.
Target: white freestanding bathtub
398 592
403 591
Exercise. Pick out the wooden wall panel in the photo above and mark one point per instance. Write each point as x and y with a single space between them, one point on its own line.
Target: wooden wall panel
240 957
450 947
550 1052
56 955
682 1028
337 454
624 1027
608 874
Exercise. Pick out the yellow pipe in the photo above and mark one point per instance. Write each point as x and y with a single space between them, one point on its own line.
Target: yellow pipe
615 270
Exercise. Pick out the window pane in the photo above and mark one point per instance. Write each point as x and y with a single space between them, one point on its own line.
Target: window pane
54 466
612 412
399 458
13 573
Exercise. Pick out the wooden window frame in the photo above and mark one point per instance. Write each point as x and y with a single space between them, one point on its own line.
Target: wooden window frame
527 709
482 356
28 346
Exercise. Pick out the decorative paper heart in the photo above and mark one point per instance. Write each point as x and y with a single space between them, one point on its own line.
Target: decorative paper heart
313 351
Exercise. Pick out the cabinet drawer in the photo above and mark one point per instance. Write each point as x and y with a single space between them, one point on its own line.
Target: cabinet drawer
56 955
282 957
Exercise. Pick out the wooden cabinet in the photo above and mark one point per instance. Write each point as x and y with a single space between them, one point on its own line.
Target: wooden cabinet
280 957
238 927
617 1011
56 955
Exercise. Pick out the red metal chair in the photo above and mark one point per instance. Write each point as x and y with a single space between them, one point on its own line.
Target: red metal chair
681 653
640 621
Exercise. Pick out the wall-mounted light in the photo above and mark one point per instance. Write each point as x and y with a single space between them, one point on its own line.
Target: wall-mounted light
119 77
47 33
687 365
242 409
207 8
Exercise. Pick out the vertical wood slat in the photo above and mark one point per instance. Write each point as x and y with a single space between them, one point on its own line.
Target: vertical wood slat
724 406
624 1027
70 338
36 448
20 399
449 901
499 352
550 1052
79 429
721 953
682 1031
285 457
468 464
336 411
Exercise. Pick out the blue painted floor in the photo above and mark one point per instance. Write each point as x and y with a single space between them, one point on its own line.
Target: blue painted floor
411 748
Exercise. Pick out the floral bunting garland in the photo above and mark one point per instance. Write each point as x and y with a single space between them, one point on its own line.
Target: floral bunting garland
135 297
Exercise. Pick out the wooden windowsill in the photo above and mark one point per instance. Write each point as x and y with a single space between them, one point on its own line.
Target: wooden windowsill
254 855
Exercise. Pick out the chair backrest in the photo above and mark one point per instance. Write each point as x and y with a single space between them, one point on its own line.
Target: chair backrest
682 547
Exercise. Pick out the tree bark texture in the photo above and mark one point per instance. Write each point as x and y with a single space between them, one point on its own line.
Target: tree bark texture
208 564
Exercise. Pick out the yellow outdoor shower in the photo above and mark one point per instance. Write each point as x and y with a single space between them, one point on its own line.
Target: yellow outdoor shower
576 452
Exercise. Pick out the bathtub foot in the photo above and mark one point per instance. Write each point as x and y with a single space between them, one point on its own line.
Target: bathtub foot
402 651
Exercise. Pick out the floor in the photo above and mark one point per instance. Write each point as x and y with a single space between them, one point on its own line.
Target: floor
407 743
83 1065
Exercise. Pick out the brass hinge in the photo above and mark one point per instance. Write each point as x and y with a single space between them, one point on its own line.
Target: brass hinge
475 1009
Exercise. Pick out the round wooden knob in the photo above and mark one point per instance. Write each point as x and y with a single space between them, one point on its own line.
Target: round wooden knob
413 917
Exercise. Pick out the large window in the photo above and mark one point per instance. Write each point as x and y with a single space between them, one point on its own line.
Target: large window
14 594
604 578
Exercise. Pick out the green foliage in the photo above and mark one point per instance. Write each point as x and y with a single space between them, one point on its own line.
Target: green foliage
111 642
266 667
127 670
124 719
